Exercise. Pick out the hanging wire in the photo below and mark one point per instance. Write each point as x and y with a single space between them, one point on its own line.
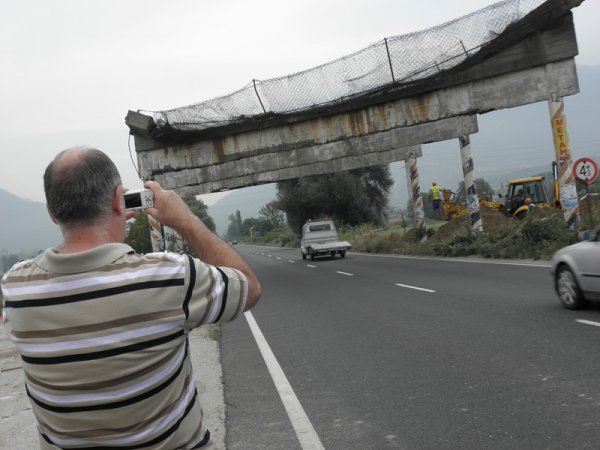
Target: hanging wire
131 156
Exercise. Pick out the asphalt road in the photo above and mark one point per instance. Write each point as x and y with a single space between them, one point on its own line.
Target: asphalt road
411 353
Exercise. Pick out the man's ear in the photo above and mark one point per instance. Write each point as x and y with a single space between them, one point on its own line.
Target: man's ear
119 201
51 215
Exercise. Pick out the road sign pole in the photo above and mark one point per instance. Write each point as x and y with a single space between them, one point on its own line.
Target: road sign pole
566 181
585 170
589 204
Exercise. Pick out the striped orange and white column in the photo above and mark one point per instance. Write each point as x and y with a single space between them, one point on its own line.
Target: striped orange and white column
414 190
566 180
470 188
156 237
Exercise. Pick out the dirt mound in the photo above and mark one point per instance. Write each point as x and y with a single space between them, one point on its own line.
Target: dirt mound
492 221
538 213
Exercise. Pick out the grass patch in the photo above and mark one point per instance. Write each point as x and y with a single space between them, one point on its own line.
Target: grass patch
536 237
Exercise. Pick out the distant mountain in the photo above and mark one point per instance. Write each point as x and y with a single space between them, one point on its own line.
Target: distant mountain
247 200
511 143
25 225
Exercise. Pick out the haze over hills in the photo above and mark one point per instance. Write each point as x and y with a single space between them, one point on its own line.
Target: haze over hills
510 144
25 225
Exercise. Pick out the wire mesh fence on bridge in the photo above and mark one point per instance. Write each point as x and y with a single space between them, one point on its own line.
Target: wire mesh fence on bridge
397 60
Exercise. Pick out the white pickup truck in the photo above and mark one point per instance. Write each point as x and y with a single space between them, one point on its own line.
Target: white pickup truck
319 237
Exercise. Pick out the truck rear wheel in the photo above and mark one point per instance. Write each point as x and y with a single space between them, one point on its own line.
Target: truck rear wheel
343 253
303 254
312 255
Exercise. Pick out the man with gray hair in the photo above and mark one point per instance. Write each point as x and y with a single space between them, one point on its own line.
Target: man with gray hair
102 331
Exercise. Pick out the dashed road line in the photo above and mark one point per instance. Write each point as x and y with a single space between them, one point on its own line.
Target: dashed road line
291 261
414 287
344 273
311 266
588 322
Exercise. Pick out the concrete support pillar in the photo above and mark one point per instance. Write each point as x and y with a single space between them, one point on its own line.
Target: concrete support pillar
158 243
471 190
173 241
566 180
414 191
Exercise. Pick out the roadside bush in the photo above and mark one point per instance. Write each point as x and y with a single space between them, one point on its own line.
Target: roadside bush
281 236
535 238
532 238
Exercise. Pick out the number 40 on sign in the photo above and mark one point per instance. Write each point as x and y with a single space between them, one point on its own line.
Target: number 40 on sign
585 170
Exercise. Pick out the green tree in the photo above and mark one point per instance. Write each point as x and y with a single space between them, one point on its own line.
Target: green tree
234 230
253 227
271 215
138 234
482 186
200 210
350 197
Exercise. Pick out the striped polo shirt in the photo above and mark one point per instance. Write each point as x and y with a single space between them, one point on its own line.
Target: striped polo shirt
102 335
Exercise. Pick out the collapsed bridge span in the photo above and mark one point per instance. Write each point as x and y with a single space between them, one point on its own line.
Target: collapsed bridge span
373 107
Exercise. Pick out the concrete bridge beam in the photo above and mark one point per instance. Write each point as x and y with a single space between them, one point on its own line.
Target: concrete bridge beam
310 147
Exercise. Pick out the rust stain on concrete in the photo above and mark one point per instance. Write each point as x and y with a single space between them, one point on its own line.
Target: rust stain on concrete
356 123
219 149
419 107
184 153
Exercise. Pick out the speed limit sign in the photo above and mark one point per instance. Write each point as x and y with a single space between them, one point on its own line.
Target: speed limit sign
585 170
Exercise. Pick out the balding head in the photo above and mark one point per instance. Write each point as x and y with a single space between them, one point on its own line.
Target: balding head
80 184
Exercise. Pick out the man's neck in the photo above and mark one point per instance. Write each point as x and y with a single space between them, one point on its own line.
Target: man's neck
81 239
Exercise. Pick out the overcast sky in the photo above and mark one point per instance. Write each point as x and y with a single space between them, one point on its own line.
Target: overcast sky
71 69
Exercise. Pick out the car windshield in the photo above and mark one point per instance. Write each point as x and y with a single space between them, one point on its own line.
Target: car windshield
321 227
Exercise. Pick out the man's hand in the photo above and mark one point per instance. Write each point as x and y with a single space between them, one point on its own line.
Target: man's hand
169 208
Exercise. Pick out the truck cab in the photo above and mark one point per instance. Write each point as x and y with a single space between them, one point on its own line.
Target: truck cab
320 237
522 189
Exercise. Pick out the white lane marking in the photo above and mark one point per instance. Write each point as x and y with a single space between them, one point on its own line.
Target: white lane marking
588 322
414 287
344 273
304 430
291 261
278 257
459 260
520 264
310 265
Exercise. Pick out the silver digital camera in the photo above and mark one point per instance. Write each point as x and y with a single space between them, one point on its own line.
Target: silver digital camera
138 199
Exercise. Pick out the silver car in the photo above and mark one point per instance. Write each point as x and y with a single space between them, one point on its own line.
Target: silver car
576 271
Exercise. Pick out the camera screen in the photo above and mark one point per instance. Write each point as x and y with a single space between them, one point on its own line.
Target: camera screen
133 201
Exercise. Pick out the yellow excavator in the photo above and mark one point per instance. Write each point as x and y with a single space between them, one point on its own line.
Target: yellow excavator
454 209
520 195
524 192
